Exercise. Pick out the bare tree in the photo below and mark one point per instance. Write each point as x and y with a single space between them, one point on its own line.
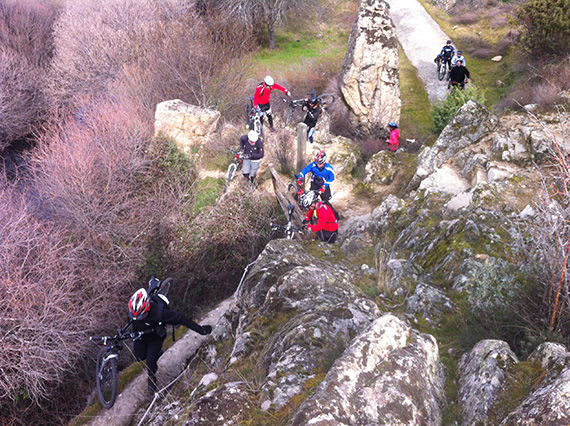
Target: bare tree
268 13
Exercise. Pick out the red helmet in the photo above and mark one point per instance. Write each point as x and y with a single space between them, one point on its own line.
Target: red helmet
139 305
321 157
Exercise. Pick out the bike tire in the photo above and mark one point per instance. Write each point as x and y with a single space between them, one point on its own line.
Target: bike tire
289 115
326 99
258 127
107 381
165 286
441 70
230 174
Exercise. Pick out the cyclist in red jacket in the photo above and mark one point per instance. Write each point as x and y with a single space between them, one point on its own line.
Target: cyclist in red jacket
327 223
263 95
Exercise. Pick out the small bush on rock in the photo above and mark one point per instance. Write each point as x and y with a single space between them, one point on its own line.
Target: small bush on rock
445 110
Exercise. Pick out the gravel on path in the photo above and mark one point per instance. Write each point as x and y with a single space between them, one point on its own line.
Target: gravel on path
421 39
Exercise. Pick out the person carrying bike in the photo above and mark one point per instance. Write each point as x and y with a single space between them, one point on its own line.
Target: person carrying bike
458 57
326 227
150 313
262 97
251 147
394 140
313 111
459 75
446 54
322 176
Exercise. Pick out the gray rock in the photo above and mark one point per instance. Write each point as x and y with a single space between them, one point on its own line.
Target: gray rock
370 81
389 375
481 374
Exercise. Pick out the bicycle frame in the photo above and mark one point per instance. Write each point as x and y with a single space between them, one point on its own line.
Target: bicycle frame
289 229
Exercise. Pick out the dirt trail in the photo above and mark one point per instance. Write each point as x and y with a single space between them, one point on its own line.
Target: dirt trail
421 39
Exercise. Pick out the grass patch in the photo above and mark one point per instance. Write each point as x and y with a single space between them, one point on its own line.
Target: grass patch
207 192
415 117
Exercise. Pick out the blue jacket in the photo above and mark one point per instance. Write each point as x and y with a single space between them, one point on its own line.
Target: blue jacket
327 173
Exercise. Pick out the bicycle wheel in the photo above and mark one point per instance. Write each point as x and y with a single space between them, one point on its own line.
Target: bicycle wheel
107 383
441 70
258 127
290 114
326 99
165 286
230 175
293 189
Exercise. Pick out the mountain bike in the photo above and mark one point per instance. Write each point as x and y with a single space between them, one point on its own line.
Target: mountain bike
254 116
106 374
289 229
303 198
324 100
236 161
441 68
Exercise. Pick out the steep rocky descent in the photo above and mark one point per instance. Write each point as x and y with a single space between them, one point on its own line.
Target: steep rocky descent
295 314
370 82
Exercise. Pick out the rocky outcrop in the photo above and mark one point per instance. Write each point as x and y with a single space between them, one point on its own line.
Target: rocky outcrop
481 375
187 124
370 81
381 169
389 375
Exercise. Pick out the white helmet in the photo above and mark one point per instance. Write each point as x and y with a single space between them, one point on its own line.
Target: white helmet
308 198
268 80
252 136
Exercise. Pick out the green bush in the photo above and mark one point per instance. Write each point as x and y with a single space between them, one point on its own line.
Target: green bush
545 27
445 110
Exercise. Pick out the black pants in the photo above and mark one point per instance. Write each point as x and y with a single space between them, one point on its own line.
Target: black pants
325 196
327 236
151 352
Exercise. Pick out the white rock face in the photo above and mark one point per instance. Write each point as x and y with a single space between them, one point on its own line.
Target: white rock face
188 124
390 375
370 82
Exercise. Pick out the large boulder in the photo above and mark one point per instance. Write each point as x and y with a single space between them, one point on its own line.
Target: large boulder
389 375
482 372
370 81
187 124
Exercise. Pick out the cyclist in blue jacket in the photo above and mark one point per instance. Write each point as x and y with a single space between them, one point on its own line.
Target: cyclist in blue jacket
322 175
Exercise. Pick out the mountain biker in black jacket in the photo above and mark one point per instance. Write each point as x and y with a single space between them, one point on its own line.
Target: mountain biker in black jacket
459 75
446 53
151 314
313 111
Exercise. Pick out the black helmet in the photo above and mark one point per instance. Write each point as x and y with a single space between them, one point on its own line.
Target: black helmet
313 100
448 42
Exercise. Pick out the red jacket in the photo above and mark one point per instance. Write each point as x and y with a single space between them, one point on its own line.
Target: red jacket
263 93
394 139
326 218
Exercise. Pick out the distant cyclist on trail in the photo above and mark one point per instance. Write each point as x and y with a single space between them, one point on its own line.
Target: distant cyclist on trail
262 97
322 175
458 57
251 146
327 222
446 53
313 112
394 140
151 314
459 75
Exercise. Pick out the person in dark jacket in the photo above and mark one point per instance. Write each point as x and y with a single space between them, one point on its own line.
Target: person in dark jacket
313 112
446 54
251 148
459 75
150 314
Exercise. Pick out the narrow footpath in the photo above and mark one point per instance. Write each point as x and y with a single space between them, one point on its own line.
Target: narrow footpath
421 39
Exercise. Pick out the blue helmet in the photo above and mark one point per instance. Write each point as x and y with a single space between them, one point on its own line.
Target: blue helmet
392 124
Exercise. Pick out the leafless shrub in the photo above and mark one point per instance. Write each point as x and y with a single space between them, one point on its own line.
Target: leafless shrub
221 242
25 52
466 17
282 150
370 146
545 86
147 51
339 112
